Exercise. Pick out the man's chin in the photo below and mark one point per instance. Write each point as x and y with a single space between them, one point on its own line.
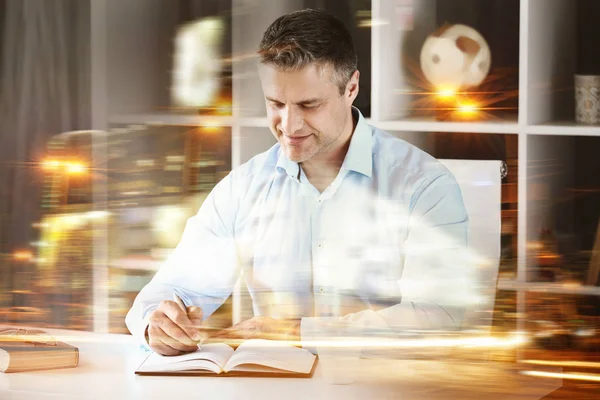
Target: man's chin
296 156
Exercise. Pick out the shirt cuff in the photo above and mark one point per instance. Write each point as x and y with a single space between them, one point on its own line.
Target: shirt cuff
326 329
308 334
141 333
145 325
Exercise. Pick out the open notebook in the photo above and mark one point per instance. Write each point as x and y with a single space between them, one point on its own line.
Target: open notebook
256 357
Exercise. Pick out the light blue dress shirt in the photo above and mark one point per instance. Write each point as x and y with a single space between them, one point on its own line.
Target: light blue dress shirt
385 242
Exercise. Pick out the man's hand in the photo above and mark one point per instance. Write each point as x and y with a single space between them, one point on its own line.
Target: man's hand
172 331
261 328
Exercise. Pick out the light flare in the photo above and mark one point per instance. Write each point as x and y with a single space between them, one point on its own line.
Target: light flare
558 375
576 364
467 108
23 255
51 165
424 343
75 168
446 93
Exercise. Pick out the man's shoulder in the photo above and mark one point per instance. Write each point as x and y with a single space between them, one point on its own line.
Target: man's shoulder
394 155
405 171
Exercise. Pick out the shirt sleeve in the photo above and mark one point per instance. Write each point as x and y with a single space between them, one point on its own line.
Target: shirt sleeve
204 266
436 279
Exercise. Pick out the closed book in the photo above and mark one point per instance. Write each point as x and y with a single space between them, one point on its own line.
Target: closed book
30 350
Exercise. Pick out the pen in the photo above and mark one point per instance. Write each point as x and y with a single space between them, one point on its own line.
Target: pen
181 304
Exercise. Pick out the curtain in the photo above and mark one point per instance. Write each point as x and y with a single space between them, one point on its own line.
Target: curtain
44 90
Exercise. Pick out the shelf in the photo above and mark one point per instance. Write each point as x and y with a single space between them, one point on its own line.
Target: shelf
143 58
552 287
564 128
136 264
257 122
171 119
400 88
563 206
431 125
561 34
419 125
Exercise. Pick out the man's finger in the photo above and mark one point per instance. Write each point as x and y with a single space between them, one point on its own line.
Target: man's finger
164 349
158 345
180 318
195 315
175 332
165 338
156 334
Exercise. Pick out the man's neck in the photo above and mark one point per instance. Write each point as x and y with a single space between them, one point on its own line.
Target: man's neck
321 171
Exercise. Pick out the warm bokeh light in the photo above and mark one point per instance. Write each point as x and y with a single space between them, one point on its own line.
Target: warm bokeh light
510 341
22 255
97 214
467 108
579 364
71 167
75 168
557 375
446 93
211 127
51 164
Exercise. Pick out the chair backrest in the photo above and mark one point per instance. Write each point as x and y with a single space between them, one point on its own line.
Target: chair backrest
480 184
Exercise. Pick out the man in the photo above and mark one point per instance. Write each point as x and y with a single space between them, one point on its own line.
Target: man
337 219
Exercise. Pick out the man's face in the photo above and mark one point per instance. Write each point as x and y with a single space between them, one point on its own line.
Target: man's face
306 112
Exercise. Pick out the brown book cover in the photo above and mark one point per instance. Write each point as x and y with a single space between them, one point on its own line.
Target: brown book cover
263 373
30 350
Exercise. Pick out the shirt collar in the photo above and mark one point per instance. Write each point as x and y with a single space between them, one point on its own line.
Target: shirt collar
359 157
360 153
291 168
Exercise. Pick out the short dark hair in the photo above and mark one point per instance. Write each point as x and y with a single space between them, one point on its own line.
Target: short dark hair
308 36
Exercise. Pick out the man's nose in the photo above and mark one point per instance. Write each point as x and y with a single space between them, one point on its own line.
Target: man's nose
291 121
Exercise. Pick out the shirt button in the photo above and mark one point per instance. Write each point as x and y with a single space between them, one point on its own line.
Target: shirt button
319 245
321 290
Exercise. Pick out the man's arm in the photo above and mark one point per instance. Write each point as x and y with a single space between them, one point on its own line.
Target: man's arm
203 268
436 282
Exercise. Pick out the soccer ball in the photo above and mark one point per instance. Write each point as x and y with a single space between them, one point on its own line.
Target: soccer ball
455 57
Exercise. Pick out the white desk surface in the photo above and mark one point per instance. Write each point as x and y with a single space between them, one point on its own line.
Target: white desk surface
107 364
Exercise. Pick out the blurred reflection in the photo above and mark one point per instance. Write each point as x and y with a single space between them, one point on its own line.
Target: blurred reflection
564 217
197 63
156 177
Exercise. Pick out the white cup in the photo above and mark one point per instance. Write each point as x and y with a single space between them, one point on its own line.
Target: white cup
339 350
587 99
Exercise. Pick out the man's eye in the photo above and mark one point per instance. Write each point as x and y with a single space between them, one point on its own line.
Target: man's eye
276 105
309 106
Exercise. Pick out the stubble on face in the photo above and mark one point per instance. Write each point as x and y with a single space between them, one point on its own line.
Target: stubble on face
320 129
303 151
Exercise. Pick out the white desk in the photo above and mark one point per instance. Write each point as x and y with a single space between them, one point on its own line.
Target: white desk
107 364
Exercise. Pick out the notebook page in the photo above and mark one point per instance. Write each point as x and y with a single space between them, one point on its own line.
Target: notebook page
271 354
182 366
216 354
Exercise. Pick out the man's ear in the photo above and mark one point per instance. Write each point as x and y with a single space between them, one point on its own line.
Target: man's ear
352 87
